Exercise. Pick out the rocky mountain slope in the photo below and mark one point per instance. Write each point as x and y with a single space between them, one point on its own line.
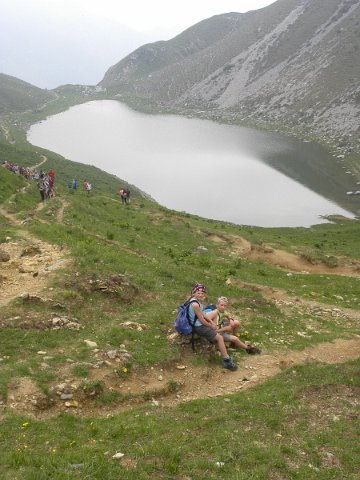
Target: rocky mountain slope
294 63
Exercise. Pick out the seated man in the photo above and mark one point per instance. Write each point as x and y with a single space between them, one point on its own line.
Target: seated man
226 325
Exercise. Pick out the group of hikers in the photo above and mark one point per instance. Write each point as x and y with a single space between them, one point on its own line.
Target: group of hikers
73 184
25 172
45 181
215 324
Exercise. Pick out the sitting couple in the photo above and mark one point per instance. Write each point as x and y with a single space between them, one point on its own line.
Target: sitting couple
216 325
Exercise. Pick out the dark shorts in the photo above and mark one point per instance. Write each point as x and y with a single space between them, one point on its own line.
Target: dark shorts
206 332
226 336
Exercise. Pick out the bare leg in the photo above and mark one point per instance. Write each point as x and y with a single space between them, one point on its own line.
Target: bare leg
221 344
237 342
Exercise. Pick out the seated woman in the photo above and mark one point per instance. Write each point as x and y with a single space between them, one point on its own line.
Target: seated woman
205 327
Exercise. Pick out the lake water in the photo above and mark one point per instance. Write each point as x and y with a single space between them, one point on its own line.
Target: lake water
216 171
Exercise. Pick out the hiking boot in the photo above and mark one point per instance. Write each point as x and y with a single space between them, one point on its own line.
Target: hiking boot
230 365
251 350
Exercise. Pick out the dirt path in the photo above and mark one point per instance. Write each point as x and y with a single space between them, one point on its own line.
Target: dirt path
287 302
44 159
283 259
252 370
12 219
30 260
60 213
152 386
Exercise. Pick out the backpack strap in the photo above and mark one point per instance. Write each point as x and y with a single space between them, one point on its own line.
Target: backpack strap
188 303
192 322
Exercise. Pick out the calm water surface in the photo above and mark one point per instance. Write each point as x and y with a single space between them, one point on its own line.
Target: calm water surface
216 171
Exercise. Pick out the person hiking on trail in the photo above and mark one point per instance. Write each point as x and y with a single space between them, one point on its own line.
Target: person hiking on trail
122 194
227 326
51 179
74 184
42 186
51 175
207 328
128 193
88 188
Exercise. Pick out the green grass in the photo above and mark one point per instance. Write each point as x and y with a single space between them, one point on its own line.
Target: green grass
337 238
295 426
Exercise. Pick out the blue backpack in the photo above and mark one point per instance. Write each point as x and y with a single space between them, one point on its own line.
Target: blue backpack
182 323
209 307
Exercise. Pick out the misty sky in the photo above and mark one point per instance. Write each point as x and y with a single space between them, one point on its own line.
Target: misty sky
53 42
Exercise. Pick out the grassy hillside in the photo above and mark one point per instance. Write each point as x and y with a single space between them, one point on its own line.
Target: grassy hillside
81 267
19 96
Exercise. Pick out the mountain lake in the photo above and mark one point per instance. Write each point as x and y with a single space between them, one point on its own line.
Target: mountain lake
217 171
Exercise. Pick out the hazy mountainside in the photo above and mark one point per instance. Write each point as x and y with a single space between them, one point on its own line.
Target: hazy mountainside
154 57
17 96
295 62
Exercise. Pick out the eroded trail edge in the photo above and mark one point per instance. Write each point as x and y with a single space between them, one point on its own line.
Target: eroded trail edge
150 386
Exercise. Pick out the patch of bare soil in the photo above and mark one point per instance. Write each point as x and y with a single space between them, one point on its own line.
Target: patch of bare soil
287 302
29 266
60 213
282 259
329 403
238 244
25 396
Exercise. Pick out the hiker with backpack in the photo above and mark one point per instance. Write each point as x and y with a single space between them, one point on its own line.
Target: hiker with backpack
204 327
226 325
122 193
